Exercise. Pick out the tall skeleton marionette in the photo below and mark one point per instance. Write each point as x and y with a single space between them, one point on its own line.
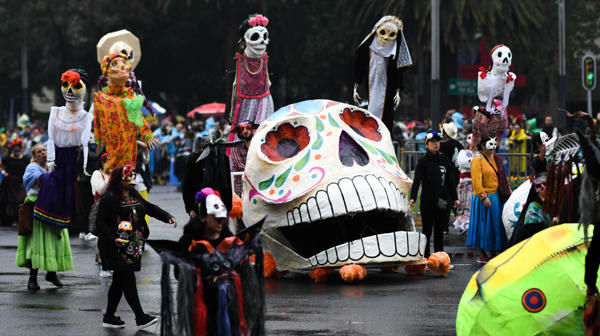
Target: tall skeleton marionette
251 97
383 60
494 87
118 115
128 44
69 128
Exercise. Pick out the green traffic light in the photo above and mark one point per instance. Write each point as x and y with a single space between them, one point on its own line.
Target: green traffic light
590 83
590 76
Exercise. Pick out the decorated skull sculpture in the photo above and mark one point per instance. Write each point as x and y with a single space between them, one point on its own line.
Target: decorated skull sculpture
326 176
501 59
387 33
124 230
125 49
73 86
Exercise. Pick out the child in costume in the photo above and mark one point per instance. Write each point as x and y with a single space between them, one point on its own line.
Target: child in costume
118 116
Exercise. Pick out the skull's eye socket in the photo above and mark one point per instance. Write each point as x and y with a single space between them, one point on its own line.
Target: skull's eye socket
78 86
509 55
255 37
216 206
285 142
266 35
364 126
65 84
499 54
382 32
392 35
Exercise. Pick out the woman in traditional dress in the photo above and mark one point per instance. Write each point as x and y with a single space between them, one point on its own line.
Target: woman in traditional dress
12 191
486 231
121 226
46 247
69 128
465 186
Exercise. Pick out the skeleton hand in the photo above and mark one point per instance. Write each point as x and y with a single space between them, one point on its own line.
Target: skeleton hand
397 99
356 96
152 142
51 166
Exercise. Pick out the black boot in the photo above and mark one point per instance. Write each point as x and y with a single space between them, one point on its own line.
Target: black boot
51 277
32 284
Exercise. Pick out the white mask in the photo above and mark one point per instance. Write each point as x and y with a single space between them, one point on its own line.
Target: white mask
215 207
257 39
491 144
387 33
73 94
501 60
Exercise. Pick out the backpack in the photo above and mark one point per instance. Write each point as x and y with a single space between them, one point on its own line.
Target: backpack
93 215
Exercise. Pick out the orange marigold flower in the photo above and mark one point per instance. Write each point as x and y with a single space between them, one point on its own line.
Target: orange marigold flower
71 77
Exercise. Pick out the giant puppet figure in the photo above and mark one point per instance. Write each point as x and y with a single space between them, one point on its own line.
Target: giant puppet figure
383 60
251 95
494 87
327 176
118 116
128 44
69 128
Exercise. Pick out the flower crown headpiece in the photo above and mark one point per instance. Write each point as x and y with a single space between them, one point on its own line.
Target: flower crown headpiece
71 77
202 194
127 170
106 61
253 21
14 142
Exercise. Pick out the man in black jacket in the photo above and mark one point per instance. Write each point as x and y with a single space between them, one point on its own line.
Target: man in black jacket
438 193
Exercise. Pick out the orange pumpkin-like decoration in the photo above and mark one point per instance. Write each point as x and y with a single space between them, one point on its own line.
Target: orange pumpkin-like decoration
416 269
320 274
439 263
236 207
270 265
353 272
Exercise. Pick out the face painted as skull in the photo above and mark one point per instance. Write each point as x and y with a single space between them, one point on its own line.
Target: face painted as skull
387 33
539 183
501 59
257 39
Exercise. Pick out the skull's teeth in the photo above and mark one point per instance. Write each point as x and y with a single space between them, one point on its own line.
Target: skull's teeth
347 196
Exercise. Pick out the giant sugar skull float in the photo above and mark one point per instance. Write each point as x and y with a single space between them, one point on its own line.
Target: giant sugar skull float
326 176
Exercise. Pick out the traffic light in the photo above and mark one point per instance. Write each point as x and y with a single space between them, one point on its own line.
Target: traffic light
589 73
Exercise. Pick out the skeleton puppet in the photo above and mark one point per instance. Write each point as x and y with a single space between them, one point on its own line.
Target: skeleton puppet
251 96
69 128
128 44
383 59
494 87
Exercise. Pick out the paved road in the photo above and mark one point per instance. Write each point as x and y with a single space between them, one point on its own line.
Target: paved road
381 304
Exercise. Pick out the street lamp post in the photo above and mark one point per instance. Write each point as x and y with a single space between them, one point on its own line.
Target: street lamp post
435 64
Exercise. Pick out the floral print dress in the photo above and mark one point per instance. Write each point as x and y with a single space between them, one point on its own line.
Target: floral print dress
117 120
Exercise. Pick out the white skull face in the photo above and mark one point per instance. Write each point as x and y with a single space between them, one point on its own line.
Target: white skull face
318 165
215 207
491 144
125 49
257 39
501 60
74 94
470 139
544 137
387 33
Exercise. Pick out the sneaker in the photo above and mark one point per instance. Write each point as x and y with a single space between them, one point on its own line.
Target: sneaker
451 267
114 322
483 260
105 274
81 235
145 321
90 236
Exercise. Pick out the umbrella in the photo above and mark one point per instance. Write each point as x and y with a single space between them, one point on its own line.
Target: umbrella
535 287
514 206
413 123
208 110
155 106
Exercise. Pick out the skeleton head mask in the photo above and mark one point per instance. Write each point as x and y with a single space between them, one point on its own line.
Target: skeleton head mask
491 144
501 59
544 137
215 206
129 174
257 39
74 86
125 49
470 139
387 33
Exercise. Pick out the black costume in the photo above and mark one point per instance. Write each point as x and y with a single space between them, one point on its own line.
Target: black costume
451 148
192 180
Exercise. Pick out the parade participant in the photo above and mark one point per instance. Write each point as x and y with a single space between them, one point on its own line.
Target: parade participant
451 147
517 142
438 192
192 179
41 246
121 225
245 131
486 231
118 116
465 186
85 188
211 221
99 182
12 191
382 60
251 96
69 128
535 219
128 44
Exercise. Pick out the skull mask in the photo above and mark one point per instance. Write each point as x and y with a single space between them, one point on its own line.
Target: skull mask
129 175
124 48
318 168
501 59
387 33
491 144
257 39
73 88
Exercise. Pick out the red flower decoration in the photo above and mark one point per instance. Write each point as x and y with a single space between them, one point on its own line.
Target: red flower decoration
127 170
71 77
285 142
359 122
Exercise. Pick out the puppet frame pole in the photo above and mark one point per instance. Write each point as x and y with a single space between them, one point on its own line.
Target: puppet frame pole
435 64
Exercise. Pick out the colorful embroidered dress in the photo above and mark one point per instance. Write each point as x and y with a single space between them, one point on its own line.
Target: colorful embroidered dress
67 131
253 101
118 117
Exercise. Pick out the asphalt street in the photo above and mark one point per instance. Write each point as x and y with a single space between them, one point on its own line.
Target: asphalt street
380 304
